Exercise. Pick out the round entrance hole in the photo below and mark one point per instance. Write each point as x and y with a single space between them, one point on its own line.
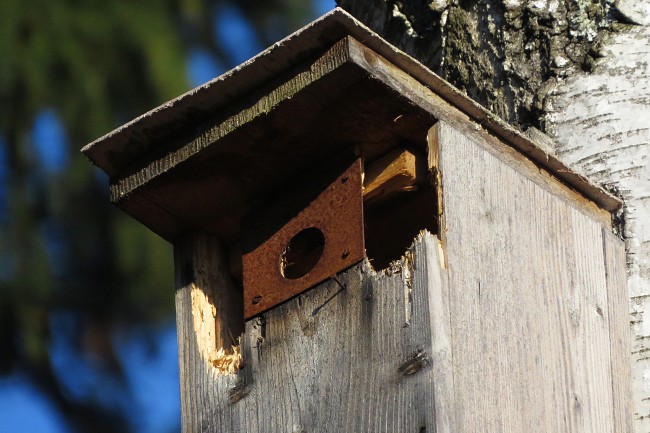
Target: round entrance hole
302 253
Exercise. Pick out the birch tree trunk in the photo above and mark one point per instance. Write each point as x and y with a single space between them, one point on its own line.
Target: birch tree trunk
579 70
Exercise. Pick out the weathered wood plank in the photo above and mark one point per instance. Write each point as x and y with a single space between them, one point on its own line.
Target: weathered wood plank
209 178
509 332
600 119
434 278
332 359
349 99
619 331
529 307
264 103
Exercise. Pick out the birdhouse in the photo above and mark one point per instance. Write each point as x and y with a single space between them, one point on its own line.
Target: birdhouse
360 247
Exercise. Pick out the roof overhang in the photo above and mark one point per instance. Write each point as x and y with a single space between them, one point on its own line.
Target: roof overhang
333 86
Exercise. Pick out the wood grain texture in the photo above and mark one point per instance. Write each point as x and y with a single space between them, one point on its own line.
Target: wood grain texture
350 98
359 359
264 102
209 178
215 303
620 333
530 314
600 120
394 172
510 327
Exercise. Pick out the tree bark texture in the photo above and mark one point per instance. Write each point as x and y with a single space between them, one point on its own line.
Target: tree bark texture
578 70
502 53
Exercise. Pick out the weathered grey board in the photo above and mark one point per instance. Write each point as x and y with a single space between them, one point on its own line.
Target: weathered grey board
619 332
534 296
372 357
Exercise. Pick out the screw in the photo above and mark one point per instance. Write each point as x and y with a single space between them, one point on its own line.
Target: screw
257 299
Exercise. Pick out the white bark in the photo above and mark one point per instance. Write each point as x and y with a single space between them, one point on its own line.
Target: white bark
601 121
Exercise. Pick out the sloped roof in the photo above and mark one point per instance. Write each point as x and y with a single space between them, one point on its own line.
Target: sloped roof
120 152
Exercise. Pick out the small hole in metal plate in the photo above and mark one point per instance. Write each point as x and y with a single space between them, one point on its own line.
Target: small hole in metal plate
302 253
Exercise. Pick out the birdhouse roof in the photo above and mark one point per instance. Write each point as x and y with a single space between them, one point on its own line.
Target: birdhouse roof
331 85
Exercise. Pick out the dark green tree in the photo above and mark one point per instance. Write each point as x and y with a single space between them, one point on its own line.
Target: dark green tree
96 64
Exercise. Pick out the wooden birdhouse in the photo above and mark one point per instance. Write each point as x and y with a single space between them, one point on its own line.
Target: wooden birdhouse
361 248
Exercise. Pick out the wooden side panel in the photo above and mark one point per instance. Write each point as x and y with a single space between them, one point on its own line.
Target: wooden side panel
619 331
334 359
209 313
530 313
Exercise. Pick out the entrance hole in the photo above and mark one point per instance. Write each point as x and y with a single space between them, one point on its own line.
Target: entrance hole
302 253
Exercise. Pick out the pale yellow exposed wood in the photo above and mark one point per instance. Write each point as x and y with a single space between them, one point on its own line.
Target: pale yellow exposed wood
395 172
215 303
433 165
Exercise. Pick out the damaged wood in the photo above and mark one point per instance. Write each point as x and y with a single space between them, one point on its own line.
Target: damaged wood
499 317
329 359
214 302
396 172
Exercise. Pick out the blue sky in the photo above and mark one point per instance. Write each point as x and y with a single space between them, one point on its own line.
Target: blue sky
150 393
150 358
24 409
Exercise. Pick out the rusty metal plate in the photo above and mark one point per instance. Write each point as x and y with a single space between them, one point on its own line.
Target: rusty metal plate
323 238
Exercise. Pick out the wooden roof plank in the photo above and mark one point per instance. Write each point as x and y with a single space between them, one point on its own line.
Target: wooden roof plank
116 150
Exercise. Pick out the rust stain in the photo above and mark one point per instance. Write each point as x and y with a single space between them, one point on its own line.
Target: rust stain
337 214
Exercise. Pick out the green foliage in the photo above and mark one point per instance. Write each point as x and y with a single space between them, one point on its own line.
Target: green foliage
97 64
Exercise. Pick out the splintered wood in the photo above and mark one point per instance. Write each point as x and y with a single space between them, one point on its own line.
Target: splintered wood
215 310
398 171
507 315
399 202
225 360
